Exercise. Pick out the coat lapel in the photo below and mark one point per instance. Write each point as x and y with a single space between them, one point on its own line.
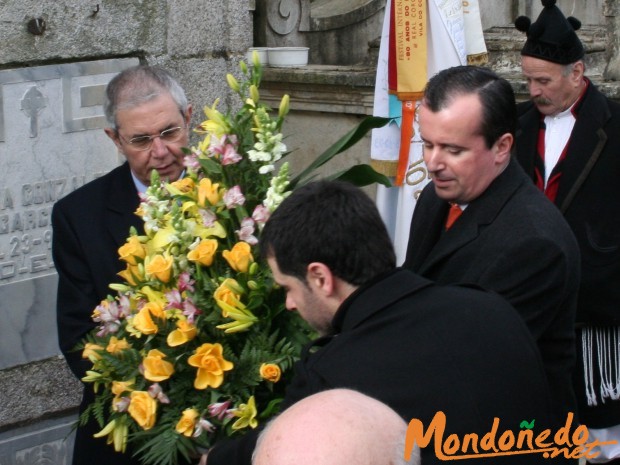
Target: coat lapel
587 141
527 139
121 205
479 213
426 227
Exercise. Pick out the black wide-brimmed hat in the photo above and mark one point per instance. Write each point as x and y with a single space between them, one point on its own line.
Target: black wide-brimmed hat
552 37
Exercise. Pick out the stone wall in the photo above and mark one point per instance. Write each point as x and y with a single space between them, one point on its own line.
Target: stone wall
55 59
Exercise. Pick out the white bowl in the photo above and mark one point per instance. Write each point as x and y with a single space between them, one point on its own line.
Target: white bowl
262 55
287 56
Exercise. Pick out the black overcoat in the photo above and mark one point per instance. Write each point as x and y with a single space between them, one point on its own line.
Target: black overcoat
89 226
589 198
420 348
511 240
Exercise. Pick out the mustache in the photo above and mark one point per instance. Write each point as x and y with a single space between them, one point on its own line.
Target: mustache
541 101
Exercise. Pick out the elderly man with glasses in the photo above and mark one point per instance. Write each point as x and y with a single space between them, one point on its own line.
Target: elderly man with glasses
149 117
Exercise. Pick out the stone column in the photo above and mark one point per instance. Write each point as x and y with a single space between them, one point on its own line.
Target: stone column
611 13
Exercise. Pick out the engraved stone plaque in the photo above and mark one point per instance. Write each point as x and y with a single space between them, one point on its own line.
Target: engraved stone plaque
50 442
51 142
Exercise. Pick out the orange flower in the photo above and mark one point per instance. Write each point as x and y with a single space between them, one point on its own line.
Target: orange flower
90 351
239 257
187 423
143 321
156 368
132 251
160 267
143 409
116 345
204 253
211 365
131 274
185 332
208 192
270 372
229 292
184 185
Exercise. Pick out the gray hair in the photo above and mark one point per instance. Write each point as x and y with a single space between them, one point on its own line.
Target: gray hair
140 84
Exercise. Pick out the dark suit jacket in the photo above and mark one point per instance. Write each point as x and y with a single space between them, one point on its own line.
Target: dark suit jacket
589 198
90 224
513 241
421 348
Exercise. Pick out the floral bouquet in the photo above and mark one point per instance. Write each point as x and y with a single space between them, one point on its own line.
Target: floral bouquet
196 344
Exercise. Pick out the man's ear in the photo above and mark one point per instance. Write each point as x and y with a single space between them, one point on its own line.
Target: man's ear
188 115
577 73
112 134
503 147
320 278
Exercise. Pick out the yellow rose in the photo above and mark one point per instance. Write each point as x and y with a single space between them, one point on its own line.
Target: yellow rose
90 351
155 367
143 409
143 321
116 345
211 366
186 424
208 192
132 251
239 257
229 292
184 185
185 332
270 372
160 267
204 253
132 274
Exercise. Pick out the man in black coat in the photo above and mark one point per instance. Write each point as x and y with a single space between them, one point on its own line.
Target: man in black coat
569 144
149 117
508 237
388 333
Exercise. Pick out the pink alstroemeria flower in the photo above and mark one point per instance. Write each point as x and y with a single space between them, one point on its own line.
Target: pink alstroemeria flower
260 215
230 156
234 197
203 425
220 410
208 218
190 311
174 299
246 233
156 392
191 161
186 283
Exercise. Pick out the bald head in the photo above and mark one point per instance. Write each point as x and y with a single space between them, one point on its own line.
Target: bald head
335 427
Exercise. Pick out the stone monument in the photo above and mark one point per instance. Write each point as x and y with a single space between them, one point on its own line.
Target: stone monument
51 142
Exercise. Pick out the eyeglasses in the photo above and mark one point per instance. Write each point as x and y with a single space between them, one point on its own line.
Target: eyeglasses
145 142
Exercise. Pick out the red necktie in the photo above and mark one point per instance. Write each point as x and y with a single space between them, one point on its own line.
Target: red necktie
453 214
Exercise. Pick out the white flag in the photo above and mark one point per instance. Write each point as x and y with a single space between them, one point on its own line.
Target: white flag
448 46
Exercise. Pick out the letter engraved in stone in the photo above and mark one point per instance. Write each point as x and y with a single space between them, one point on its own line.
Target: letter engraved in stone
32 104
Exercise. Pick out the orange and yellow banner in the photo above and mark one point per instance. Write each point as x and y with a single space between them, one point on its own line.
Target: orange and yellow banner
408 47
407 67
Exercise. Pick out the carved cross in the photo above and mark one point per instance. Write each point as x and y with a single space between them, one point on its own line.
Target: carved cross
32 104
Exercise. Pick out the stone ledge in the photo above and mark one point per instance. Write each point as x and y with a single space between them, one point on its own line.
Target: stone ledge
323 88
350 76
37 390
